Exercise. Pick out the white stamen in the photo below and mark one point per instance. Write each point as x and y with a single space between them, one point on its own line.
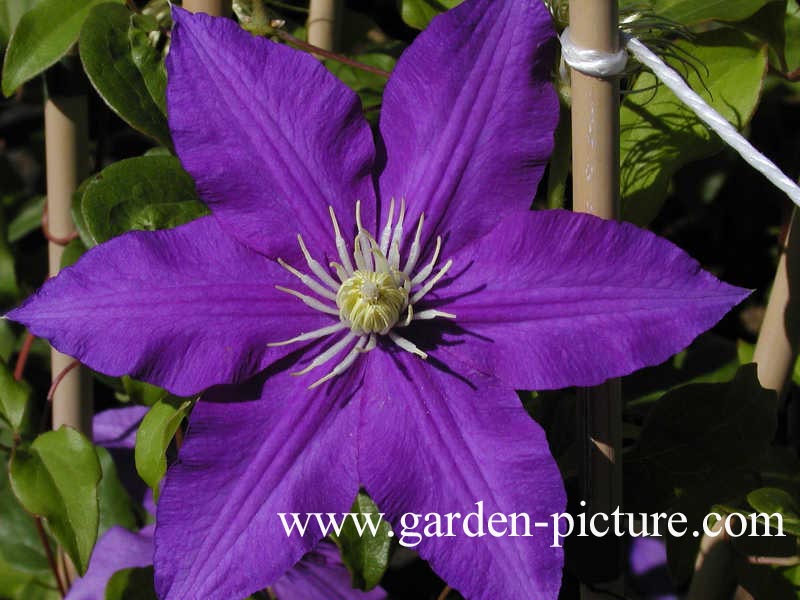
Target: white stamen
432 282
308 281
397 235
406 345
341 246
312 302
409 316
344 365
387 230
311 335
428 269
413 255
432 314
340 272
328 354
316 267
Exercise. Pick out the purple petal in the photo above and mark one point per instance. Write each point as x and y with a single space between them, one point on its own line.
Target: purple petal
649 573
551 299
468 117
117 549
271 137
116 427
321 576
438 442
219 534
183 308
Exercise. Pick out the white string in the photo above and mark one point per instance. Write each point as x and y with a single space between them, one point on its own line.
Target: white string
606 63
592 62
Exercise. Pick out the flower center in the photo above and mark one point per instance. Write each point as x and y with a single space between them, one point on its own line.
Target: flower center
371 302
374 295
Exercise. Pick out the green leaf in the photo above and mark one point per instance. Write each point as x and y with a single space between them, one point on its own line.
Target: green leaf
689 12
10 13
107 59
560 161
148 58
140 392
145 193
73 251
14 397
18 585
57 478
774 500
418 13
658 134
116 506
132 584
27 220
700 429
43 35
768 26
153 438
9 290
20 547
366 556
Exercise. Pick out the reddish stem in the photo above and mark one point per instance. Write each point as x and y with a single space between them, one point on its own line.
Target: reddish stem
61 241
59 378
51 559
288 37
22 358
445 593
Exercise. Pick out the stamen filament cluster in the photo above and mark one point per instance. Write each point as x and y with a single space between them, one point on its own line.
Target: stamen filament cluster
373 295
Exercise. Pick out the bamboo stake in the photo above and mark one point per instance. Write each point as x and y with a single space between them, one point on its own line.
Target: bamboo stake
595 190
218 8
67 164
776 348
324 19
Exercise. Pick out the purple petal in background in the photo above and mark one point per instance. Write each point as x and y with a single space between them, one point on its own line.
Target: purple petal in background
468 117
182 308
117 549
271 137
321 576
434 442
551 299
649 574
219 535
116 427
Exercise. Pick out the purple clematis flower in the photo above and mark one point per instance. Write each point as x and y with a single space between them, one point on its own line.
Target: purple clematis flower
389 300
320 575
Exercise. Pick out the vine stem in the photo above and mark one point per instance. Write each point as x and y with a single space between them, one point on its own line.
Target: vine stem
51 558
22 357
289 38
445 593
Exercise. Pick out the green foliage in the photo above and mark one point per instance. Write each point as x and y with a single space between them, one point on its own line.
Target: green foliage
154 437
366 556
131 584
148 58
43 35
116 506
143 193
774 500
418 13
108 59
658 134
14 397
10 13
690 12
57 478
9 289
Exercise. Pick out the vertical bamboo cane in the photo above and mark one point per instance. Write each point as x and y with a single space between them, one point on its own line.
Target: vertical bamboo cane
323 23
67 164
595 176
218 8
778 339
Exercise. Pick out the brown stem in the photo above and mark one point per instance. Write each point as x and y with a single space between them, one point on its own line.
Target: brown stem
51 559
59 378
791 76
445 593
22 358
289 38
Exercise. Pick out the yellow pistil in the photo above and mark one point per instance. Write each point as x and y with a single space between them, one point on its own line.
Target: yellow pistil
371 302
